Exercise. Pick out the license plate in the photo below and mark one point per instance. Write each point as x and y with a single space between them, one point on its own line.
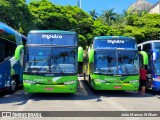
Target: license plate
118 87
48 88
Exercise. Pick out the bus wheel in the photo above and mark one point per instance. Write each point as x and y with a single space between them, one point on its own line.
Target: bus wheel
13 85
90 82
84 76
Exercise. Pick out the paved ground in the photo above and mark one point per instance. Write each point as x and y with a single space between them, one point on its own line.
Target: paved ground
84 100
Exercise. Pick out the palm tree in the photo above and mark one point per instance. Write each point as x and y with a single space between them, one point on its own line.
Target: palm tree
127 16
109 15
93 14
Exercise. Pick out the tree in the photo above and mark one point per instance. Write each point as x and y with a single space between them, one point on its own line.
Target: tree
15 12
100 29
93 14
48 16
82 41
109 16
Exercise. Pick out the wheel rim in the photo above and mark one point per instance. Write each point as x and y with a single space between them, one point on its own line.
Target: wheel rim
13 85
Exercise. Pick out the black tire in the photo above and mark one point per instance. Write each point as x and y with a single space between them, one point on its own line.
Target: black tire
13 86
84 76
90 82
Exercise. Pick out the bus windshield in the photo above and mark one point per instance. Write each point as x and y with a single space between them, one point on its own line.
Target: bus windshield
51 60
116 62
157 68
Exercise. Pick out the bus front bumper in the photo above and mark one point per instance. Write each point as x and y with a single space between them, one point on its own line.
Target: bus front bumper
38 88
116 86
156 86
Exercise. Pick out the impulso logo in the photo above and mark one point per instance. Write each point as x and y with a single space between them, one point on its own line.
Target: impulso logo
52 36
115 41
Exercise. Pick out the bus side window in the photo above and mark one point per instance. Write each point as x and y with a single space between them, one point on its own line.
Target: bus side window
139 48
9 48
147 47
1 51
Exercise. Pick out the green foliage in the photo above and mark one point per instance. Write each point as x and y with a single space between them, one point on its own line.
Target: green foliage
43 14
109 16
82 41
15 13
100 29
71 18
21 30
93 14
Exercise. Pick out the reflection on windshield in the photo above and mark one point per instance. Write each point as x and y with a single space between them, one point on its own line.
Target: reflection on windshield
51 60
116 62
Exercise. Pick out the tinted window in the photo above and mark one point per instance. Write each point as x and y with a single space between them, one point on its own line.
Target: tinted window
7 49
147 47
1 51
139 48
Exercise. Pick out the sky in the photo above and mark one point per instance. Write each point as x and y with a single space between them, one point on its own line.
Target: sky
99 5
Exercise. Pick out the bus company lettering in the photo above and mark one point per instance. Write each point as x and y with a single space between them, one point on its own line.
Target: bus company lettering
115 41
52 36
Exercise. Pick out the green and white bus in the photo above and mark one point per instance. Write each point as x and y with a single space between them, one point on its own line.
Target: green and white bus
51 62
113 63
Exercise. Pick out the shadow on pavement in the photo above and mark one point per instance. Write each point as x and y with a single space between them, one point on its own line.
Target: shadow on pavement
19 97
84 92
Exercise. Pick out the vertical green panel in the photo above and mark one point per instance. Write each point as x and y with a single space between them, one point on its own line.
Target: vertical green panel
18 52
80 54
145 57
91 55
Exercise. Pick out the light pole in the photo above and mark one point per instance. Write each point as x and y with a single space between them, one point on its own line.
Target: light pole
79 3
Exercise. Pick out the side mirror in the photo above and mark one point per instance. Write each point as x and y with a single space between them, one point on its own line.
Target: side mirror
91 55
18 52
145 57
80 54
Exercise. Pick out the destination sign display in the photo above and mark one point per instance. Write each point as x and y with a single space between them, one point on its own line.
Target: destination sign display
115 44
52 39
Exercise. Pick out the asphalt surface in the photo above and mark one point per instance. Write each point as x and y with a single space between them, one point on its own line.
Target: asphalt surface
84 100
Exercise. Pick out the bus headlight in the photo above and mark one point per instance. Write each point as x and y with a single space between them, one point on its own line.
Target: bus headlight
69 82
29 81
134 81
98 80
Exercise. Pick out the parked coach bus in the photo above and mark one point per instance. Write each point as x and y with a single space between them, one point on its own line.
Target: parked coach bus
11 73
113 63
51 62
152 48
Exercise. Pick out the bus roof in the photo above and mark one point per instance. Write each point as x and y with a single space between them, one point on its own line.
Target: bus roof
7 29
52 31
150 41
113 37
